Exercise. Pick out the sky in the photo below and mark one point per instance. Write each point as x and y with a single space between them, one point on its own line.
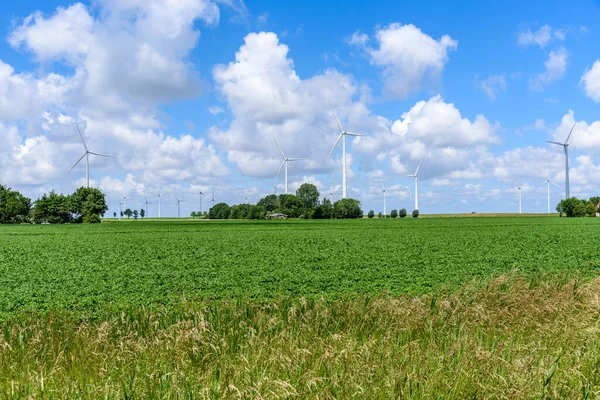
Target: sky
188 95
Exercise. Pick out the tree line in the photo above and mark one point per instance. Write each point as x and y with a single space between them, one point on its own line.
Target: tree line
304 204
574 207
85 205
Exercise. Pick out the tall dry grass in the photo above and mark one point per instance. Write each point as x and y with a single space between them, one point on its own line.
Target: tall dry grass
512 338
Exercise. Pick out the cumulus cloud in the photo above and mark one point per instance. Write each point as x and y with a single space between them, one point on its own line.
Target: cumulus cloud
555 65
492 85
410 58
590 82
269 100
541 37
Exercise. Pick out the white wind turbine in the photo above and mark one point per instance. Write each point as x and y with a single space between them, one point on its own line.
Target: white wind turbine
565 146
548 181
213 199
124 203
416 176
200 193
519 188
384 195
87 157
159 195
146 205
178 206
342 136
285 163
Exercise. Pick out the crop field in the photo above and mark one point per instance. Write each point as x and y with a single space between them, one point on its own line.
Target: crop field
503 307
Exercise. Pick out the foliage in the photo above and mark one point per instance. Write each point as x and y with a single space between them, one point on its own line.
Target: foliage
380 215
290 205
371 214
193 214
269 203
52 208
308 195
394 214
347 208
256 212
402 213
128 213
135 214
14 207
86 202
239 211
142 213
415 213
574 207
219 211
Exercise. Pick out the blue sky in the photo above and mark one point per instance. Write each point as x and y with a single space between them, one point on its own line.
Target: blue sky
189 98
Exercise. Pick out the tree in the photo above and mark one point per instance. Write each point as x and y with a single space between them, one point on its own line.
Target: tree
121 214
403 213
256 212
193 215
308 195
269 203
380 215
590 209
371 214
128 213
86 203
115 214
219 211
290 205
394 214
415 214
142 213
135 214
347 208
14 207
571 207
52 208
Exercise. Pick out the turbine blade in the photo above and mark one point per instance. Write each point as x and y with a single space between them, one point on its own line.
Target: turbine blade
560 144
283 155
555 184
78 161
568 137
280 168
81 135
294 159
334 146
336 118
355 134
100 154
418 166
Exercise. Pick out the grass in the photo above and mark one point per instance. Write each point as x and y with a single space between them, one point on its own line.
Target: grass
513 337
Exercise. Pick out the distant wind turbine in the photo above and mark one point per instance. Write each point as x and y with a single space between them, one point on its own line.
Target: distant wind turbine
285 164
548 181
565 146
416 176
178 206
124 203
519 188
384 195
159 195
213 198
200 193
146 205
87 157
342 136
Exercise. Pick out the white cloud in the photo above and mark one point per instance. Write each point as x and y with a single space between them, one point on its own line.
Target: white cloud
268 100
556 65
410 58
492 85
541 37
215 110
590 81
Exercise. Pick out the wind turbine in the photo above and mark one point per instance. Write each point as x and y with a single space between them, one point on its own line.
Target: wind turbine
548 181
87 158
200 193
160 194
519 188
416 176
124 203
120 208
178 206
342 136
146 205
384 195
213 198
285 163
565 146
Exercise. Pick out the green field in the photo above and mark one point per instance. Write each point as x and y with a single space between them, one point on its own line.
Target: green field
79 267
489 307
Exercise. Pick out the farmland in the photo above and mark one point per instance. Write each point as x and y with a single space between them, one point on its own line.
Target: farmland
330 309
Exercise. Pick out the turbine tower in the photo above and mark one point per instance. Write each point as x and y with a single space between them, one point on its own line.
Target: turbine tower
416 176
124 203
146 205
178 206
384 194
548 181
160 194
200 193
285 163
565 146
87 158
342 136
519 188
